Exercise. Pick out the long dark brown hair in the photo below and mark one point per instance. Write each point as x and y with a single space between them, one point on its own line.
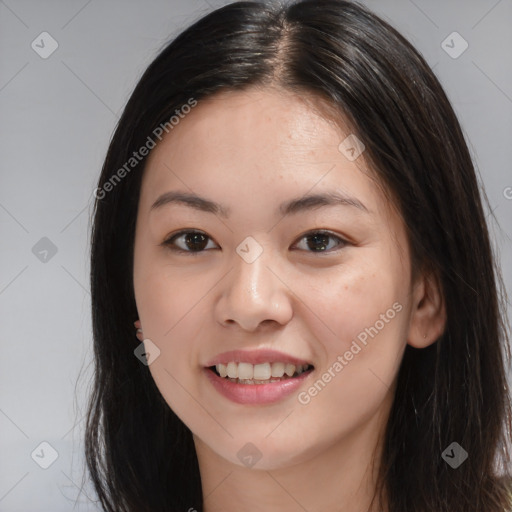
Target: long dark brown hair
140 456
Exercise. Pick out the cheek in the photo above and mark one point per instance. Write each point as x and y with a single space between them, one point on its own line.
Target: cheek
173 312
359 317
173 318
355 301
165 294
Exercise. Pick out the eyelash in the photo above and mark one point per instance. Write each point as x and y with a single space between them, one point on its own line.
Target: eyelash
169 242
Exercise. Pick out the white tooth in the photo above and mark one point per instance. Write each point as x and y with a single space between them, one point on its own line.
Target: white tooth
232 370
245 370
300 369
221 368
262 371
289 369
277 369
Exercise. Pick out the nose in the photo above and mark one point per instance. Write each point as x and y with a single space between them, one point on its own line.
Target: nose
254 294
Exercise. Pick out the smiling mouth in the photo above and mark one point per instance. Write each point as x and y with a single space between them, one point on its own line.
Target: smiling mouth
264 373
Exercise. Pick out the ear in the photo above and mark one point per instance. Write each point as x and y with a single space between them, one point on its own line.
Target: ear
428 316
138 333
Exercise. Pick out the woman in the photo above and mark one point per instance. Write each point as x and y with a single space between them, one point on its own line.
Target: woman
289 217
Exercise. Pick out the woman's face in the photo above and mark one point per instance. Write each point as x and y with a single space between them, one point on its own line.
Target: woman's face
260 286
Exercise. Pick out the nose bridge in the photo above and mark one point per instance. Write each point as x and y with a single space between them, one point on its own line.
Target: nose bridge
251 277
254 293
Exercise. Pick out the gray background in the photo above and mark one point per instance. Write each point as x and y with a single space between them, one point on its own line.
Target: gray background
57 117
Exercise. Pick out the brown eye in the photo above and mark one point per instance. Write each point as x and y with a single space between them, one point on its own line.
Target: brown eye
192 242
318 241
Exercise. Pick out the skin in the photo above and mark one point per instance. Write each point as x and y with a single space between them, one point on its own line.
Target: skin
250 151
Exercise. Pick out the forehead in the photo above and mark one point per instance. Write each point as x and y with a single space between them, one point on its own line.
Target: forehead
259 144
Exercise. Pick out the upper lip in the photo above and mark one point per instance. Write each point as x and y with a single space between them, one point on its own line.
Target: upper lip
255 357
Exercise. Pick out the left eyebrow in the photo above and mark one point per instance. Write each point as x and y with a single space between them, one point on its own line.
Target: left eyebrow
291 207
312 201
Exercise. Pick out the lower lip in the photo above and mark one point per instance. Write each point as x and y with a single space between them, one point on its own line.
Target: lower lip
256 393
